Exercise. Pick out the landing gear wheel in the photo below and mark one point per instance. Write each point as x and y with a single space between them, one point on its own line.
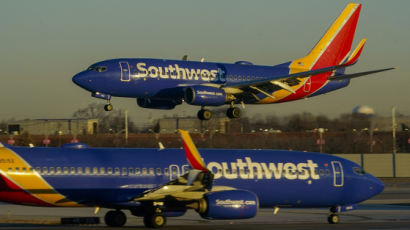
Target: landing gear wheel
233 112
333 219
108 107
156 220
204 114
115 218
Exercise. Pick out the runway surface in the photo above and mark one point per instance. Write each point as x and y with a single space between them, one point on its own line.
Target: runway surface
389 210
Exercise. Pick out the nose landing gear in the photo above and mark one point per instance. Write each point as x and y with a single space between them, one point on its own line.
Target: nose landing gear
108 106
333 218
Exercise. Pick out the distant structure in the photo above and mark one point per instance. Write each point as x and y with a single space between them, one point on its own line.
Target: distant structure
363 110
54 126
193 125
385 123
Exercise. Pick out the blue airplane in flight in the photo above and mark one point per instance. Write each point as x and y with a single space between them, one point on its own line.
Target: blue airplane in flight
160 183
164 84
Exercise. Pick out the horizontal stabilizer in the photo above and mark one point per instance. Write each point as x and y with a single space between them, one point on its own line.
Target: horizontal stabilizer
354 75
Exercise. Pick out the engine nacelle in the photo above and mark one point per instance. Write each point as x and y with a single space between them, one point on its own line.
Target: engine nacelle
155 103
204 95
230 204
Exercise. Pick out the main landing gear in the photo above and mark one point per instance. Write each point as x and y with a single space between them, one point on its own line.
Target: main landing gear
152 219
204 114
115 218
108 106
155 220
232 112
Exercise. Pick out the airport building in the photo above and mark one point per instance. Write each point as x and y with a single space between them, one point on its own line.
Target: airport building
194 125
54 126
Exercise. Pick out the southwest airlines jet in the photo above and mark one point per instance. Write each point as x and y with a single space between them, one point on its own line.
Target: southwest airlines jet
159 183
164 84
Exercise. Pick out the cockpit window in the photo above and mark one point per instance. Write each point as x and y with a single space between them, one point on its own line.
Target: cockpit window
98 68
359 170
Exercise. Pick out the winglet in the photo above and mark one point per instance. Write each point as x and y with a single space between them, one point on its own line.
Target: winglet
191 152
356 53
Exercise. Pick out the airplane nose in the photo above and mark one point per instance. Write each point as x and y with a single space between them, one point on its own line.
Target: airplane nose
376 186
81 80
77 79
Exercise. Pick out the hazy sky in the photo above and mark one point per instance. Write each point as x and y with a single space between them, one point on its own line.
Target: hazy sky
44 43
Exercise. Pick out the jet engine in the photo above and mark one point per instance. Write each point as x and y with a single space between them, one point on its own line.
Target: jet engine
204 95
230 204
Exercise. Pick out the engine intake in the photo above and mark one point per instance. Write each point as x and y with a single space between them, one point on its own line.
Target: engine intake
205 95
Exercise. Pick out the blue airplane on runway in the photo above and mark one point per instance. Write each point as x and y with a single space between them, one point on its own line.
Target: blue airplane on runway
155 183
164 84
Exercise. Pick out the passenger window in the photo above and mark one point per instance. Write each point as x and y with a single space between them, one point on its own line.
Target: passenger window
24 170
166 171
102 170
38 169
79 170
130 171
72 170
10 170
51 170
124 171
87 170
65 170
159 172
151 171
144 171
137 171
45 170
116 171
58 170
109 171
95 170
17 169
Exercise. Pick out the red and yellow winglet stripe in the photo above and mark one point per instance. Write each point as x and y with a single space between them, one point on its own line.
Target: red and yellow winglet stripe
356 53
191 152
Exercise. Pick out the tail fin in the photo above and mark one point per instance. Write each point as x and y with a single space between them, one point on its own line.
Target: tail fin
333 48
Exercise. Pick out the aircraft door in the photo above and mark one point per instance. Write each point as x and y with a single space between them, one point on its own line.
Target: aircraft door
125 71
338 175
173 172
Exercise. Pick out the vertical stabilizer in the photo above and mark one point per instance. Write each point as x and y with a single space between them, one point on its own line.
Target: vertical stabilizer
333 48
